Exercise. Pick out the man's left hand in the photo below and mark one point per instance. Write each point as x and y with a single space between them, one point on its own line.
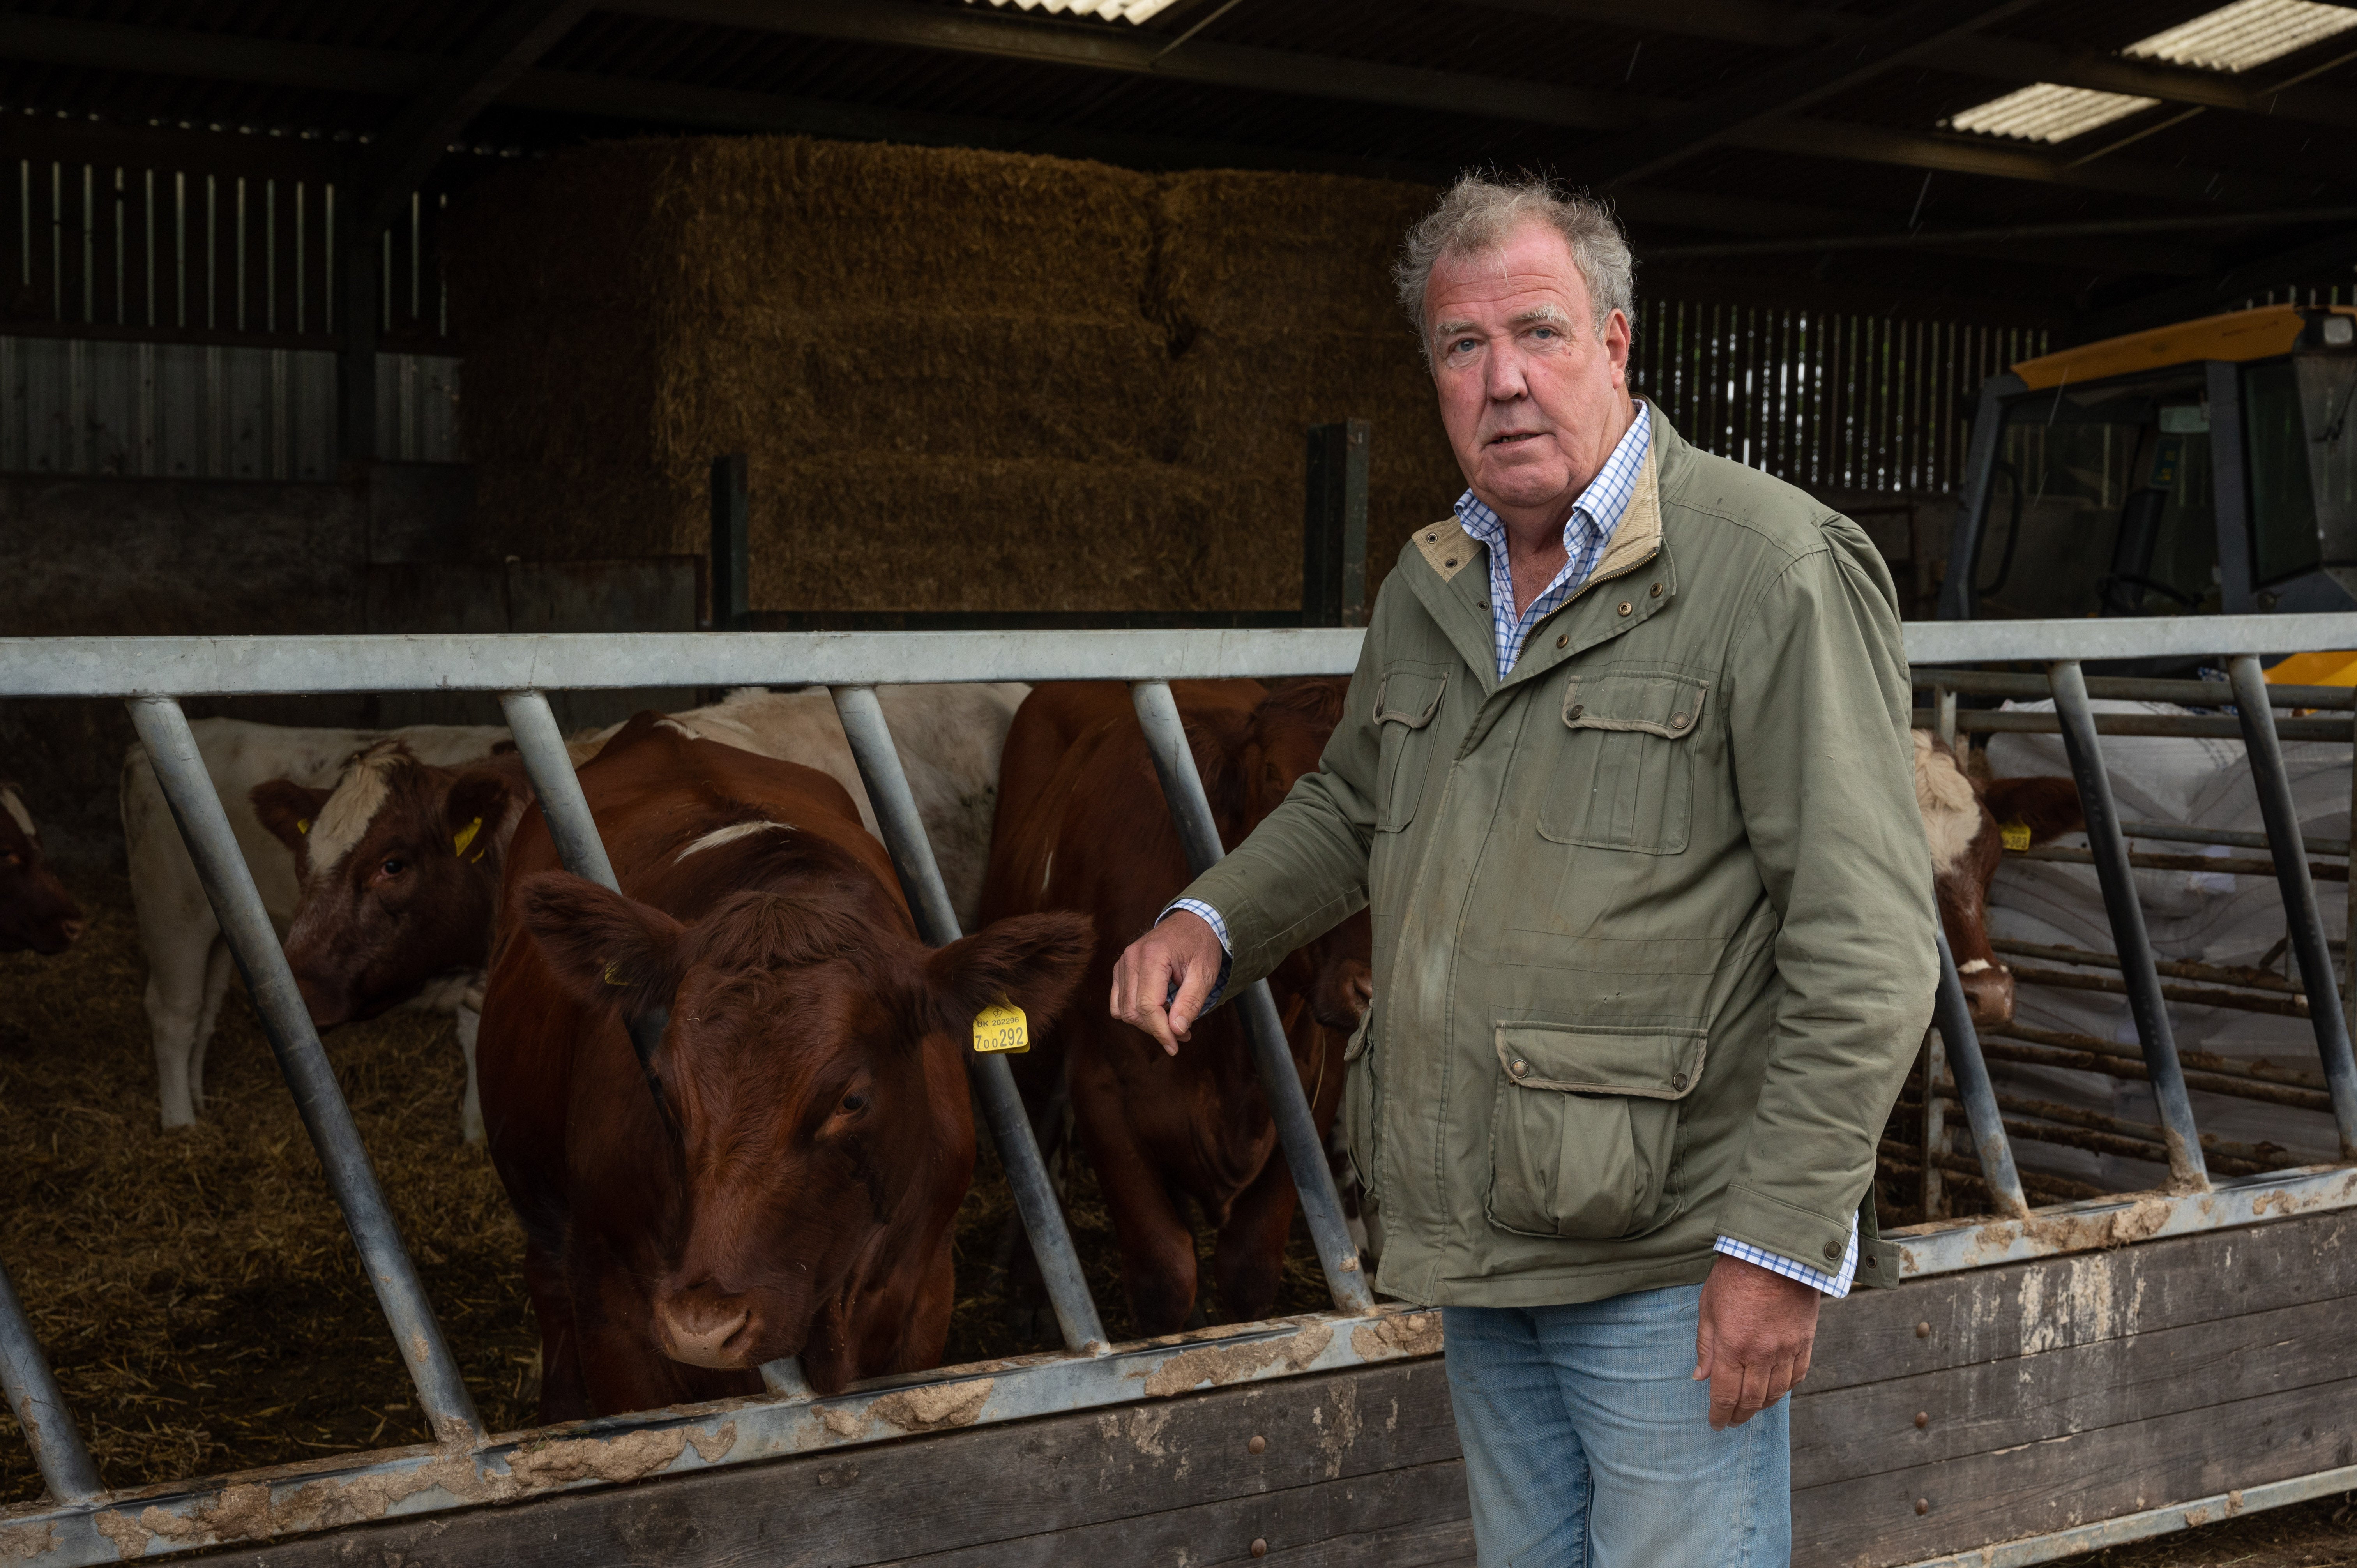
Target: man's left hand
1754 1338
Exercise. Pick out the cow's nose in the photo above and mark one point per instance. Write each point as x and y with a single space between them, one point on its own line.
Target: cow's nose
71 929
1988 991
706 1328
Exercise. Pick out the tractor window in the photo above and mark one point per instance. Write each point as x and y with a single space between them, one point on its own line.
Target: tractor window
2284 541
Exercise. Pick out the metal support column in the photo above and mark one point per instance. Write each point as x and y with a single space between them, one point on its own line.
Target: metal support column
286 1021
2187 1169
994 1081
732 542
2281 815
1334 527
1297 1129
1952 1015
39 1408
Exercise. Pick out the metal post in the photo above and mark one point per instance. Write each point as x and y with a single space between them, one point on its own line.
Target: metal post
994 1081
2187 1169
1935 1123
39 1408
2281 815
1952 1015
1334 527
1943 716
732 547
1297 1129
286 1021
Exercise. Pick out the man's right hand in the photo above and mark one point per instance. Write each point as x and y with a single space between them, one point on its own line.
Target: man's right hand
1182 948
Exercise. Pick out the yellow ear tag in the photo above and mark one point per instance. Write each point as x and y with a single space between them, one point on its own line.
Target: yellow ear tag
466 836
301 824
2015 834
613 979
1002 1028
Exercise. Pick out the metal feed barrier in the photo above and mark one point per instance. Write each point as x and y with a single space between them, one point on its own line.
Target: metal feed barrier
82 1523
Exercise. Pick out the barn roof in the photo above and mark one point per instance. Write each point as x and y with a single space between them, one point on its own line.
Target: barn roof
1757 146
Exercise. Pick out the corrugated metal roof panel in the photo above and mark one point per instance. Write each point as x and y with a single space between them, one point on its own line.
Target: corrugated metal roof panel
2245 33
2043 112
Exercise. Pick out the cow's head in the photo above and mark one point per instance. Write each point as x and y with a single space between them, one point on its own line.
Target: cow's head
1284 739
1964 820
814 1064
399 869
36 911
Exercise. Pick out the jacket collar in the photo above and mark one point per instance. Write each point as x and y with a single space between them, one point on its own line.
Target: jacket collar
1457 597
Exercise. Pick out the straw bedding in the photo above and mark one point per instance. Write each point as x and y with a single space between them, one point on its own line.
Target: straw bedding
196 1291
964 380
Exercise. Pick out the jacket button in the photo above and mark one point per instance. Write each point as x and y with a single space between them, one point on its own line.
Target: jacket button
1520 1068
1656 592
1576 709
1832 1251
1452 561
1563 642
1626 606
1678 1081
1677 721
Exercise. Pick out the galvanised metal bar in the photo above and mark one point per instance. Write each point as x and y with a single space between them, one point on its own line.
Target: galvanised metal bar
2151 1522
1297 1129
1952 1015
2132 688
286 1021
994 1081
2215 726
510 661
39 1409
1935 1123
2281 813
566 810
2129 938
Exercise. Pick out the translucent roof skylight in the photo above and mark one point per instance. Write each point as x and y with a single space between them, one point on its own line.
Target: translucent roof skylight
2231 38
1111 10
2248 32
2043 112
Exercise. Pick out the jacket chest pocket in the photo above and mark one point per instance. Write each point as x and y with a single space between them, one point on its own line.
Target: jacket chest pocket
1623 777
1407 696
1586 1127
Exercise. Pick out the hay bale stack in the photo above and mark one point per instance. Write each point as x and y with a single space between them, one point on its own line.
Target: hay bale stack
964 380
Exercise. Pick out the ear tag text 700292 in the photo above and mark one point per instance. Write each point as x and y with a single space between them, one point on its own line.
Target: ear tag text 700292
1002 1028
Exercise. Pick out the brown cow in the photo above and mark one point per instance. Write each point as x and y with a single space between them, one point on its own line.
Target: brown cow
1962 821
36 910
1082 825
781 1177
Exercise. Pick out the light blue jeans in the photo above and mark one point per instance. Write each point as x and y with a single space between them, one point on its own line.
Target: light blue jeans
1587 1443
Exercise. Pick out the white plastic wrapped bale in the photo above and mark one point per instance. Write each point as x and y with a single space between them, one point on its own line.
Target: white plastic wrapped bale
2205 916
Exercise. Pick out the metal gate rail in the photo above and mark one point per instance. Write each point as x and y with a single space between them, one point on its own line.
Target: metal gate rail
80 1523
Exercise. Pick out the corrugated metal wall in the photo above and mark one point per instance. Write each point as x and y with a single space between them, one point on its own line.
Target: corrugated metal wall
1826 400
79 406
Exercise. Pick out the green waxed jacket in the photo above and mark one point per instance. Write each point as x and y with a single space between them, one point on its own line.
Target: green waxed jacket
1653 916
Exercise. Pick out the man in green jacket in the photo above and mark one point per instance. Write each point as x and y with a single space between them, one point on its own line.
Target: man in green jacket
1625 778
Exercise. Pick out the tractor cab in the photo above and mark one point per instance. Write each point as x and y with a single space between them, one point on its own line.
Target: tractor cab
2199 469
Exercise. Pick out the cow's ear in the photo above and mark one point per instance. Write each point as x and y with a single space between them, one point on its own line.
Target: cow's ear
485 804
1032 961
605 950
289 811
2048 807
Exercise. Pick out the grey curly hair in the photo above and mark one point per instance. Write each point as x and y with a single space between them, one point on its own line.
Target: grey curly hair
1477 213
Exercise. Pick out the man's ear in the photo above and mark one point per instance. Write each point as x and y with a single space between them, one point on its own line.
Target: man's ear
288 810
605 949
484 803
2049 806
1032 961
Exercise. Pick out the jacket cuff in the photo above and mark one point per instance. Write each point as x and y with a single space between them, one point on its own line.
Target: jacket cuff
1834 1284
1801 1236
1210 917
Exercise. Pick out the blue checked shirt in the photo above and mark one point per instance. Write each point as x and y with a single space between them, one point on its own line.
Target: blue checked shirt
1585 536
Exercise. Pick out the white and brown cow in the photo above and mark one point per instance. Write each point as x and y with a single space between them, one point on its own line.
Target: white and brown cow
188 959
1965 818
36 910
400 862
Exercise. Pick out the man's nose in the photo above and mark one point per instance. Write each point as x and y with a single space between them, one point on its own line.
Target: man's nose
1502 374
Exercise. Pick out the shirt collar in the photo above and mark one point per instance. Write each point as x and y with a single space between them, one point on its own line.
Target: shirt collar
1601 506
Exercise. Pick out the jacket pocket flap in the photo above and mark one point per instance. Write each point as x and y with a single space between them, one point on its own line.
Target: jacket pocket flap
1409 694
1666 705
1651 1064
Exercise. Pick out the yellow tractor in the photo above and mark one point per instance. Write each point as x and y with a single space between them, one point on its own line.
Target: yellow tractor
2207 466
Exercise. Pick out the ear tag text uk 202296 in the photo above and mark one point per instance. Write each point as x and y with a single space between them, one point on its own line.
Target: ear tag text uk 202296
1002 1028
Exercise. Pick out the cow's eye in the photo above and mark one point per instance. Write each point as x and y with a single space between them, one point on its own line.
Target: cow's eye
9 857
395 867
854 1103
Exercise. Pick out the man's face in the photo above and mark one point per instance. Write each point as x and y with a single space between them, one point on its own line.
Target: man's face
1533 399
